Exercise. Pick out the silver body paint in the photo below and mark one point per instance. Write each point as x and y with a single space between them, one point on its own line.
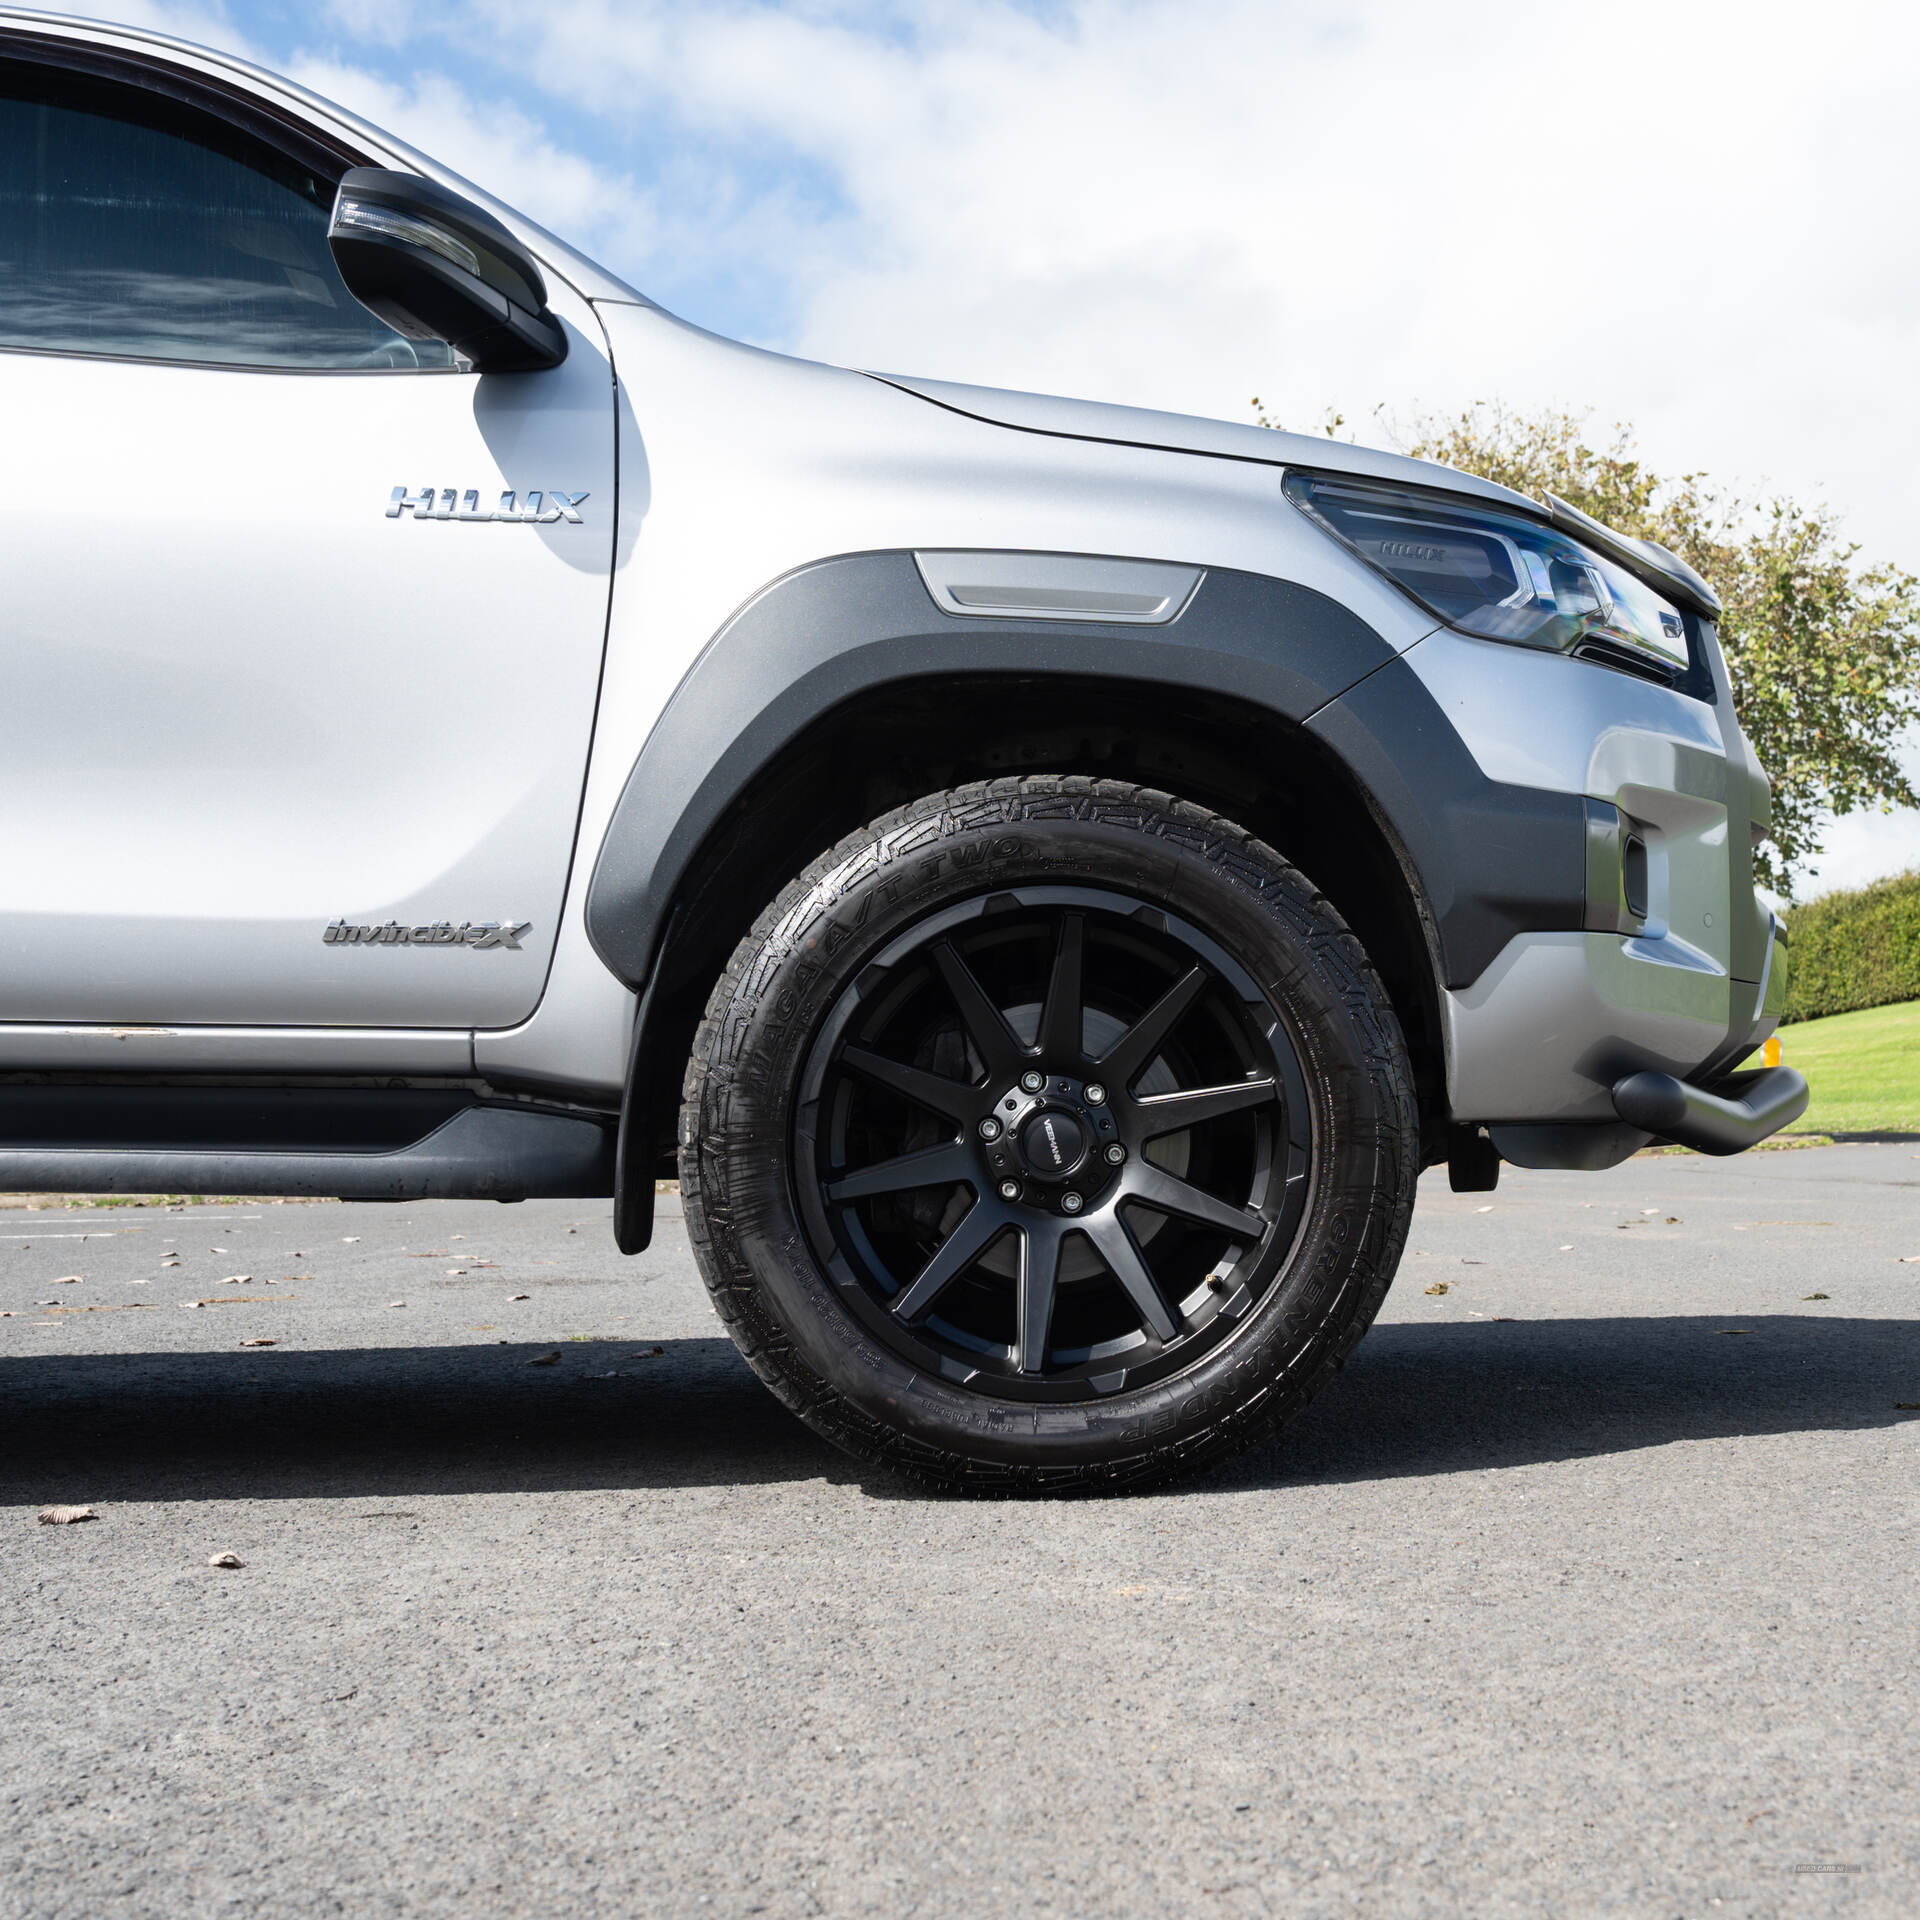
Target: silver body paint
342 705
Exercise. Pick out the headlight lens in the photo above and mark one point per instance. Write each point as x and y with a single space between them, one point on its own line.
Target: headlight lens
1499 575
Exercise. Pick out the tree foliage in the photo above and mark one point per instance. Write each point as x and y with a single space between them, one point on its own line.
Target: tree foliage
1823 652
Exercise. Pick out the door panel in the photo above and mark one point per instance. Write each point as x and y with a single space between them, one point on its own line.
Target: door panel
244 702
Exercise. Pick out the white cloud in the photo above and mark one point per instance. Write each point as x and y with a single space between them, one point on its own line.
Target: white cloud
492 143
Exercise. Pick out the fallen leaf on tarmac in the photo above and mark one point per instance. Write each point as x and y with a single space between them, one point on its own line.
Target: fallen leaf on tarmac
65 1516
1568 1248
225 1560
263 1341
1674 1220
519 1296
1439 1286
543 1359
396 1303
1816 1296
68 1280
349 1239
456 1273
238 1280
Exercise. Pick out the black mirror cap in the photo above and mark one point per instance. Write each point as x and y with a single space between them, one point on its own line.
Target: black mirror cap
434 266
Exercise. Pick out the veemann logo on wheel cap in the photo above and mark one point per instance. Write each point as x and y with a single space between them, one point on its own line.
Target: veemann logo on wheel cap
463 503
443 933
1053 1142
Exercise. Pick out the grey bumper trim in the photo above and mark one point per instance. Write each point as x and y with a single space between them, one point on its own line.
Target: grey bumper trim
1728 1117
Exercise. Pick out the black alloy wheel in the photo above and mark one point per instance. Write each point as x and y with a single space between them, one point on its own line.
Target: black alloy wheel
1054 1138
1048 1135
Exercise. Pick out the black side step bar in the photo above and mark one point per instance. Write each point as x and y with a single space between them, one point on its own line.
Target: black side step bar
478 1153
1728 1117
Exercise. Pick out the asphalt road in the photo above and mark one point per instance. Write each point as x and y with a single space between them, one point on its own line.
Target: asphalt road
1589 1588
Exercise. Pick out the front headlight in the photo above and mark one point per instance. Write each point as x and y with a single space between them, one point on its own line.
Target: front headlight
1499 575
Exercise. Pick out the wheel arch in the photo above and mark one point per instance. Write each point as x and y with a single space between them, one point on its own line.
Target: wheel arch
842 691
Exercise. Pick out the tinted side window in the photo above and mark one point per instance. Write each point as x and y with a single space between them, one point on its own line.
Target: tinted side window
131 223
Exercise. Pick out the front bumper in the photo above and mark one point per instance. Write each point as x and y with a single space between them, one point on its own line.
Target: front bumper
1575 1050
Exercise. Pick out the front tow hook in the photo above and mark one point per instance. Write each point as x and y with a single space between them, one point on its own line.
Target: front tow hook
1732 1115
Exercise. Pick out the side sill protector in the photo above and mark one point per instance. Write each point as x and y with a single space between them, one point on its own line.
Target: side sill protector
482 1153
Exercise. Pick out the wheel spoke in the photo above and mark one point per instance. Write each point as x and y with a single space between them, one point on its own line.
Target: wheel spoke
986 1025
1039 1276
1062 1019
964 1244
1155 1187
939 1166
1115 1245
1124 1060
1169 1112
956 1099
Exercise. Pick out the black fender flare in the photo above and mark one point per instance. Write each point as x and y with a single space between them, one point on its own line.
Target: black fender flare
1485 860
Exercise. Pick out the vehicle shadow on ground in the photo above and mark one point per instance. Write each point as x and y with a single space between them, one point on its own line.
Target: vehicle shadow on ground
1464 1397
1415 1399
351 1422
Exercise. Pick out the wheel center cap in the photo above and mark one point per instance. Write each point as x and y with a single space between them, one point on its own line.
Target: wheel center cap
1053 1143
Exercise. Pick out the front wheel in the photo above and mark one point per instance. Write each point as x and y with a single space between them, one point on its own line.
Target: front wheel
1050 1134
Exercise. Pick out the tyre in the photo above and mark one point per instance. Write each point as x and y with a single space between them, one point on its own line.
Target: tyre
1049 1135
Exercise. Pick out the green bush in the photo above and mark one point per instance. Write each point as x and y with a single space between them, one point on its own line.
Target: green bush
1854 950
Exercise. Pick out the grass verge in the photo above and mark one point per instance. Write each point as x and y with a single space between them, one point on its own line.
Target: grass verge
1864 1069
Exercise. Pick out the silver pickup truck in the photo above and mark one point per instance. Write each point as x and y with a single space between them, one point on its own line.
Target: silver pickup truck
1046 876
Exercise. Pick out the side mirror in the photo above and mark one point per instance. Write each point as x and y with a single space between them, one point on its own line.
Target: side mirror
435 267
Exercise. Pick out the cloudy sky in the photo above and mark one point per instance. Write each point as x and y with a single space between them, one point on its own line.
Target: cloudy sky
1699 218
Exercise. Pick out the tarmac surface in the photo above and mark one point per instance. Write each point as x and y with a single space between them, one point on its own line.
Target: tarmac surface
1590 1587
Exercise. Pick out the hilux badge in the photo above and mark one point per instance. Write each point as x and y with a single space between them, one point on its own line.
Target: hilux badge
463 503
442 933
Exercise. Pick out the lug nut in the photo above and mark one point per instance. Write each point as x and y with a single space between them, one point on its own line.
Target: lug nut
989 1128
1032 1081
1071 1203
1009 1189
1115 1154
1096 1094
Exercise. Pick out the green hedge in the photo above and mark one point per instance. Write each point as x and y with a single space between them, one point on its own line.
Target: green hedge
1853 950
